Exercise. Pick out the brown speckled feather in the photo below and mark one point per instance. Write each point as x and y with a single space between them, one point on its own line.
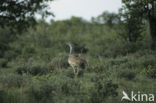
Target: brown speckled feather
76 60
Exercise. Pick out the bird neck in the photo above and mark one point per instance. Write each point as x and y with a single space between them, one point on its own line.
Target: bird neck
71 50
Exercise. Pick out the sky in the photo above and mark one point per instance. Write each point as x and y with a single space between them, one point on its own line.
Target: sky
64 9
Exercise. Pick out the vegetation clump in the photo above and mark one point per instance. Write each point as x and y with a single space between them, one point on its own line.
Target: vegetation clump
119 50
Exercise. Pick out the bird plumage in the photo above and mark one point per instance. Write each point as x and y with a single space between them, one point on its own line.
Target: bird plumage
75 60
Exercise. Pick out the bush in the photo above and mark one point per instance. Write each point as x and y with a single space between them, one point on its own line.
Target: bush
70 87
98 68
150 71
34 70
59 62
68 72
2 96
10 54
127 73
21 70
37 70
41 90
3 62
13 80
102 90
34 67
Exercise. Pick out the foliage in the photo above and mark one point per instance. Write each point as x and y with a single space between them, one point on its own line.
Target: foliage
107 18
13 80
132 21
103 89
34 68
3 62
20 13
128 74
5 38
150 71
137 13
42 90
34 65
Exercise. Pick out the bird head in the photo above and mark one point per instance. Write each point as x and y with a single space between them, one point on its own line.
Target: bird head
70 44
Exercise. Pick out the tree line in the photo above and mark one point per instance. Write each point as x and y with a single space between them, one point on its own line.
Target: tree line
131 19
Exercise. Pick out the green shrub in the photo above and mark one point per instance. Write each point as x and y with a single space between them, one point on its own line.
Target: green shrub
70 87
37 70
21 70
150 71
98 68
10 54
33 70
127 74
68 72
103 89
149 60
13 80
3 62
2 96
34 67
59 62
81 73
41 90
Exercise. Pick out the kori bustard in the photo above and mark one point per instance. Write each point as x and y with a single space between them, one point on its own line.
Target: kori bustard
76 61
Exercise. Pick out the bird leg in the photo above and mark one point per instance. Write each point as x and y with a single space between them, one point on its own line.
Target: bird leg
77 71
74 70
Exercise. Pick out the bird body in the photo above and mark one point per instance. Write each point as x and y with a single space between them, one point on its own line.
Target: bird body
75 60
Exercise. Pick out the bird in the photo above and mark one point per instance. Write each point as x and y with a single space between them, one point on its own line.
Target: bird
76 61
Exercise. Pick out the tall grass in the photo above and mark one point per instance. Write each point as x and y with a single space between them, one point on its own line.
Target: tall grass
35 68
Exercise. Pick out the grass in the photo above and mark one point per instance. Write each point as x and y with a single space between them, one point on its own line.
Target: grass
35 69
61 86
